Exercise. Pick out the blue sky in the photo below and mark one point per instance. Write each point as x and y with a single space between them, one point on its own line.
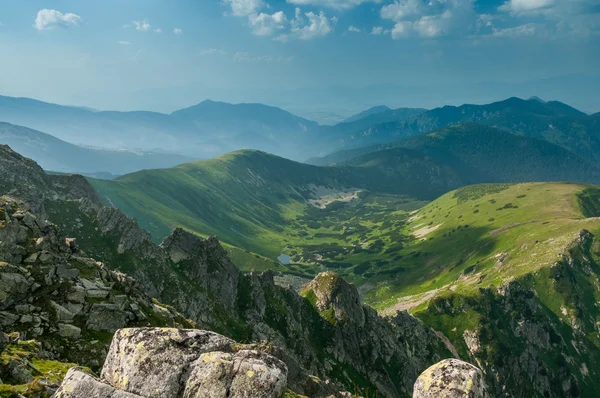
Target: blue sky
163 54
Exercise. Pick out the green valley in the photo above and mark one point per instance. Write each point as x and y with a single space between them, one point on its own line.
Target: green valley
269 205
400 249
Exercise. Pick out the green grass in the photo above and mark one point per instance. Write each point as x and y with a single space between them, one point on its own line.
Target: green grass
392 246
260 207
463 236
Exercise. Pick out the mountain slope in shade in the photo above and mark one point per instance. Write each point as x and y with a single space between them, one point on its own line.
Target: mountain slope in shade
371 111
60 156
552 121
484 154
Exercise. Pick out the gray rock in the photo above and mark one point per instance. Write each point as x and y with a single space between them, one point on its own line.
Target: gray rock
191 364
334 293
20 371
69 331
78 384
67 273
3 342
62 314
451 378
8 319
77 295
13 286
153 361
245 373
106 317
257 374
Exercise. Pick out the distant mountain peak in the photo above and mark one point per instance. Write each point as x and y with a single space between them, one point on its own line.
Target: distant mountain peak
371 111
536 98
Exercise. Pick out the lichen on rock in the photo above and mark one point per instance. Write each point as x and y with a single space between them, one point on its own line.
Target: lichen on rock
451 378
186 363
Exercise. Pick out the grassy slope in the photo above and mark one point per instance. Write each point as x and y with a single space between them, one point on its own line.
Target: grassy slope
260 203
484 235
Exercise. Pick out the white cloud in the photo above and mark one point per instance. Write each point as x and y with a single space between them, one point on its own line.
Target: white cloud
377 30
401 29
518 6
353 29
142 26
339 4
244 57
517 31
124 43
50 19
430 19
267 24
244 8
401 10
158 30
317 26
178 31
213 51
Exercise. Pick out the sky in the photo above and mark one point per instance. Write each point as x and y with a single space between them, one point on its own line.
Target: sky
304 54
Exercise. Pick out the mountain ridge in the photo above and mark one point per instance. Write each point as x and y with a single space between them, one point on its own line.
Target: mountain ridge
56 155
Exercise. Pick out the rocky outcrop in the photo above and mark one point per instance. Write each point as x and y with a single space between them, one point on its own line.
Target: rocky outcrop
24 179
58 302
451 378
531 335
179 363
335 297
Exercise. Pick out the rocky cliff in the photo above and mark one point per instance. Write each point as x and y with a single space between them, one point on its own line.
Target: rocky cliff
58 305
537 335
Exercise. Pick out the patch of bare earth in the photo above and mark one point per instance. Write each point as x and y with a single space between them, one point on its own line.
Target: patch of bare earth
323 196
424 231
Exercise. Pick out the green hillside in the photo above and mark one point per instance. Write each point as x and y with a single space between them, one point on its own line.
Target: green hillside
485 235
269 205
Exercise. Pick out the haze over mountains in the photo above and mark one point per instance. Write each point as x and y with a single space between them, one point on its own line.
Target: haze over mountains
212 128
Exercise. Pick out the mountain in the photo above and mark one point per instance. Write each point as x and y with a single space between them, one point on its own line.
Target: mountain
479 153
60 156
205 130
255 200
371 111
507 273
501 275
249 126
552 121
484 154
334 137
70 306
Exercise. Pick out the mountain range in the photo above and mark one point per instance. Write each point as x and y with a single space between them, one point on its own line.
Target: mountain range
204 130
213 128
477 268
60 156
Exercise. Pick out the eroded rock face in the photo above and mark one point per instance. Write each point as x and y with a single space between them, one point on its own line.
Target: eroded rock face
335 294
166 362
451 378
52 292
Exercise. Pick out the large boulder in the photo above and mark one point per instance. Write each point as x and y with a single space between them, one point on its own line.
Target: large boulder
451 378
186 363
78 384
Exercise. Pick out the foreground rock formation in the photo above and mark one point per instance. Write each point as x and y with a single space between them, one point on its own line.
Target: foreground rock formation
58 305
451 378
174 363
